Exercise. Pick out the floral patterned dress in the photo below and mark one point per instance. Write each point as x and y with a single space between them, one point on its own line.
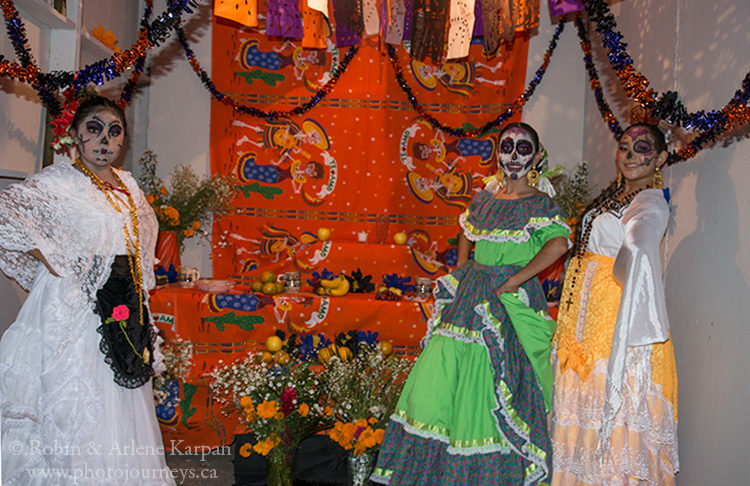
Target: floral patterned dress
472 410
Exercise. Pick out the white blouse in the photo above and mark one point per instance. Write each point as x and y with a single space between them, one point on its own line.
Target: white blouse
633 238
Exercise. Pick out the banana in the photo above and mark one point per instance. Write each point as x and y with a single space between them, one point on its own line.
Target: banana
342 289
333 283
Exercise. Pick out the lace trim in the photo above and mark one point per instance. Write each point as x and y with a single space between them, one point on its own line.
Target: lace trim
644 432
528 450
450 283
473 233
457 448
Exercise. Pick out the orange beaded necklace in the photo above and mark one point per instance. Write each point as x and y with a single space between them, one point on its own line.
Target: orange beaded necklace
131 241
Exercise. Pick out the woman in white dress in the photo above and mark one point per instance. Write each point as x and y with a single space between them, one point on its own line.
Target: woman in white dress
76 365
614 418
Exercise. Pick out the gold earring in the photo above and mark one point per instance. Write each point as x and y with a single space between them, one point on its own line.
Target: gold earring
532 177
619 179
657 179
500 177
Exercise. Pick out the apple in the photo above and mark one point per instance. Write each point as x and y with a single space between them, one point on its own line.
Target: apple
400 238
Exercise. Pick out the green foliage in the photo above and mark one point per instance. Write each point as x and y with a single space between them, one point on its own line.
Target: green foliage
573 191
187 204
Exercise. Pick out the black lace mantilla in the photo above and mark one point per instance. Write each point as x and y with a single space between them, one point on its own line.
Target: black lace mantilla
131 371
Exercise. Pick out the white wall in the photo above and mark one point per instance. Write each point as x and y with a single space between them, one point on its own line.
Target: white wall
178 110
555 109
699 49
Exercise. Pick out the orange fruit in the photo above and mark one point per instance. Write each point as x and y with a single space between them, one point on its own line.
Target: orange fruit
273 343
386 348
324 234
399 238
279 287
269 288
282 357
267 357
267 276
256 286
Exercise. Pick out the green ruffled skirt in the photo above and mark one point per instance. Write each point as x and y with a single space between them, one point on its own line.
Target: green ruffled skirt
472 410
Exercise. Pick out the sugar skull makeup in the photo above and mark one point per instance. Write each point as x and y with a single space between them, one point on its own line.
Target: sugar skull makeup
99 137
517 151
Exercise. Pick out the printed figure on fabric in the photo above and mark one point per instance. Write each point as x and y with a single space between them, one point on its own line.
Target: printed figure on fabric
267 65
293 153
456 77
441 169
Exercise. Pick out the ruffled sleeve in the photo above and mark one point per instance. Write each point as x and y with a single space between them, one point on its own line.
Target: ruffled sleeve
516 220
28 214
642 316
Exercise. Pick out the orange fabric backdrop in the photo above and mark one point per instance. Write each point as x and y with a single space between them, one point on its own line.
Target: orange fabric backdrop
361 161
362 154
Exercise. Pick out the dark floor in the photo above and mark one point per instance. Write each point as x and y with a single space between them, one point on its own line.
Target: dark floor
218 469
213 470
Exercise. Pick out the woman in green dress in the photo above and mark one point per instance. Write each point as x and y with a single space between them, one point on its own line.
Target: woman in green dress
473 409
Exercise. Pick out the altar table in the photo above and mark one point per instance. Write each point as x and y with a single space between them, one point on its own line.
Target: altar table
224 327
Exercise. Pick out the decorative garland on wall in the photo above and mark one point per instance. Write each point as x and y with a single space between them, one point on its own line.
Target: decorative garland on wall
734 108
46 84
666 106
500 119
256 112
596 84
126 95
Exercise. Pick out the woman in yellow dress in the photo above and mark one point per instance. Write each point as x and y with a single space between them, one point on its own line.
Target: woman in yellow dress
615 389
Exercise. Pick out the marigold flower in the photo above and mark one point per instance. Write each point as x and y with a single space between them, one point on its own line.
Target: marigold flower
304 409
328 411
163 190
246 402
267 409
246 449
188 232
264 447
150 199
121 313
196 225
279 416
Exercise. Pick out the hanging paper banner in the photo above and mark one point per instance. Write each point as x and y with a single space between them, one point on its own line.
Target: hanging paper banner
319 5
562 7
461 28
245 12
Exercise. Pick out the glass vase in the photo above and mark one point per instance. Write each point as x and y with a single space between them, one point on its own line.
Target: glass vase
280 467
359 467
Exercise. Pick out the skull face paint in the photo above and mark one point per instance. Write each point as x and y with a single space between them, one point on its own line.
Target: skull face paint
637 155
99 137
517 151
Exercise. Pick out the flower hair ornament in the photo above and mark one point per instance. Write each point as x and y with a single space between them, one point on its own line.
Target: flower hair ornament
63 140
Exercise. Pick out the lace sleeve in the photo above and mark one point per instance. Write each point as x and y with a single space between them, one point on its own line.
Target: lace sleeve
25 217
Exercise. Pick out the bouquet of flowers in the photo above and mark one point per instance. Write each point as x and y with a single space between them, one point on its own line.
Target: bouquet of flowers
363 392
178 357
281 404
186 206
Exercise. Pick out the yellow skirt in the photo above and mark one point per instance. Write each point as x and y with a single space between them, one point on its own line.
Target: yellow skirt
643 448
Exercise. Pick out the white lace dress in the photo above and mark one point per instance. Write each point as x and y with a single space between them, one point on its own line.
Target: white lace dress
64 420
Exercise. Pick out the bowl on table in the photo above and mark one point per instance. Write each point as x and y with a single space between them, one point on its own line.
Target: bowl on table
215 286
